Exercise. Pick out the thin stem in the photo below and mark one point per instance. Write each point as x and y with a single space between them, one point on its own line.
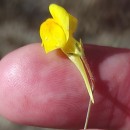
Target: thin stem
92 84
89 108
88 113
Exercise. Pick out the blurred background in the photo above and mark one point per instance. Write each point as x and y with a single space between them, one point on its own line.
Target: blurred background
101 22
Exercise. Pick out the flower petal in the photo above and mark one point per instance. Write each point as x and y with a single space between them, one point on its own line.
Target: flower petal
61 16
72 24
52 35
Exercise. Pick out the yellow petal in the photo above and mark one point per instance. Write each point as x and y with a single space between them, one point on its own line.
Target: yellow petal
72 24
73 47
70 46
61 16
52 35
79 64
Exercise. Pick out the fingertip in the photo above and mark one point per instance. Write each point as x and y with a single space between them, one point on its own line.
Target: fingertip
41 89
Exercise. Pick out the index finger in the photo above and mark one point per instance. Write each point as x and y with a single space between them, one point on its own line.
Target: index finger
48 90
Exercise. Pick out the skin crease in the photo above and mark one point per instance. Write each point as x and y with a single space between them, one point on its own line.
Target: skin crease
47 90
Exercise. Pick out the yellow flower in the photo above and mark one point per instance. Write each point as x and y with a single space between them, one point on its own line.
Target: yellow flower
57 33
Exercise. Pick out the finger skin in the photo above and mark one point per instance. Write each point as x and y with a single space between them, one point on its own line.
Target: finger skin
47 90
